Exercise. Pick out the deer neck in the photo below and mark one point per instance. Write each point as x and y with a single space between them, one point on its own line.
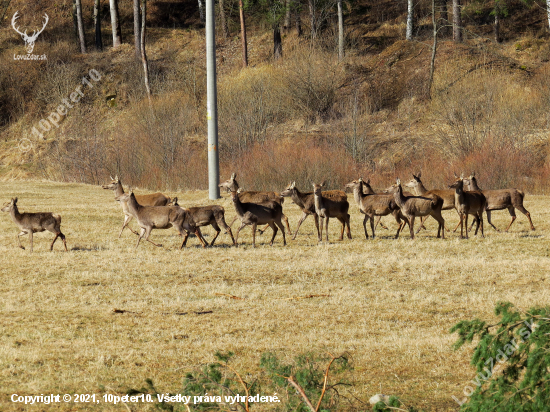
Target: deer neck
238 206
473 185
420 189
459 195
119 190
400 199
318 201
369 189
298 198
358 194
15 215
133 206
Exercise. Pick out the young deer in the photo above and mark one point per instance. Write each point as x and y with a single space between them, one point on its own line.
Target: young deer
160 217
255 214
468 203
510 199
30 223
306 202
416 206
448 196
254 197
327 208
155 199
213 215
375 205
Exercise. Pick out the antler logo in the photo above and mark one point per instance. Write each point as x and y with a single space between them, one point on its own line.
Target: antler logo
29 40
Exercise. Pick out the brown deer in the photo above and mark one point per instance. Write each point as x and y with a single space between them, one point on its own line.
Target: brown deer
30 223
213 215
254 197
255 214
448 196
372 205
327 208
417 206
510 199
468 203
306 202
160 217
154 199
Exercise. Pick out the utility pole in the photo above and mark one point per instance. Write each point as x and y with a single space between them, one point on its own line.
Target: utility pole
212 104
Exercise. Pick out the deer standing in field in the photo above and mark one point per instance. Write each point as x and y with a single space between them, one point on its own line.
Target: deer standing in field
154 199
510 199
372 205
468 203
254 197
213 215
306 202
327 208
30 223
417 206
255 214
160 217
448 196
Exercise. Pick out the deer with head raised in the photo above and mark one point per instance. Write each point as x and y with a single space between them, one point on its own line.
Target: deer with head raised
306 202
154 199
160 217
326 208
213 215
448 196
231 185
375 205
255 214
468 203
30 223
29 40
418 206
510 199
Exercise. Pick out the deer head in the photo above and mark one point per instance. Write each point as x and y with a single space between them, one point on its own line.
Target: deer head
29 40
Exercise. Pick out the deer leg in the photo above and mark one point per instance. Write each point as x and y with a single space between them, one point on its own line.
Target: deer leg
198 234
54 239
263 230
221 222
254 225
30 238
275 230
491 223
382 225
365 226
321 229
343 222
466 225
233 221
347 226
422 220
147 234
185 237
237 234
458 226
399 223
373 226
411 223
304 217
326 228
481 219
217 229
526 213
285 219
19 240
280 224
441 228
127 219
140 236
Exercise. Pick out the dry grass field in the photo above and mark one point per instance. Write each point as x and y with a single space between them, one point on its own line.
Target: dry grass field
390 307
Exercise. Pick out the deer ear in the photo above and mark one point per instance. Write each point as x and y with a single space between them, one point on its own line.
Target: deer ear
474 174
462 175
398 181
360 179
14 200
419 174
293 185
233 176
454 173
368 181
323 184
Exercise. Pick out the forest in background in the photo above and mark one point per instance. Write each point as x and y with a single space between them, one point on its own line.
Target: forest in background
306 115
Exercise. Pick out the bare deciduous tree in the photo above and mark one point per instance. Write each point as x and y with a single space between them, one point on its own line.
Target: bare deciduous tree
81 37
97 25
243 34
115 25
137 28
457 22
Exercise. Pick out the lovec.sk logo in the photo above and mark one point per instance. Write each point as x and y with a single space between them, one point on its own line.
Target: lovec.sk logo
29 40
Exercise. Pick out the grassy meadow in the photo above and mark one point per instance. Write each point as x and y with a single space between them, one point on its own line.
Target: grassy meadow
391 302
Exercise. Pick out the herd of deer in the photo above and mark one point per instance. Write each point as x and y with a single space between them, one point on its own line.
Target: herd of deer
157 211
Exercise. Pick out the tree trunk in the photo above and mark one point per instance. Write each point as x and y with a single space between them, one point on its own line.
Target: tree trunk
243 34
311 4
444 17
80 26
223 20
286 24
548 12
340 31
75 23
434 51
457 22
410 11
497 25
277 42
115 26
298 20
97 25
137 28
143 55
